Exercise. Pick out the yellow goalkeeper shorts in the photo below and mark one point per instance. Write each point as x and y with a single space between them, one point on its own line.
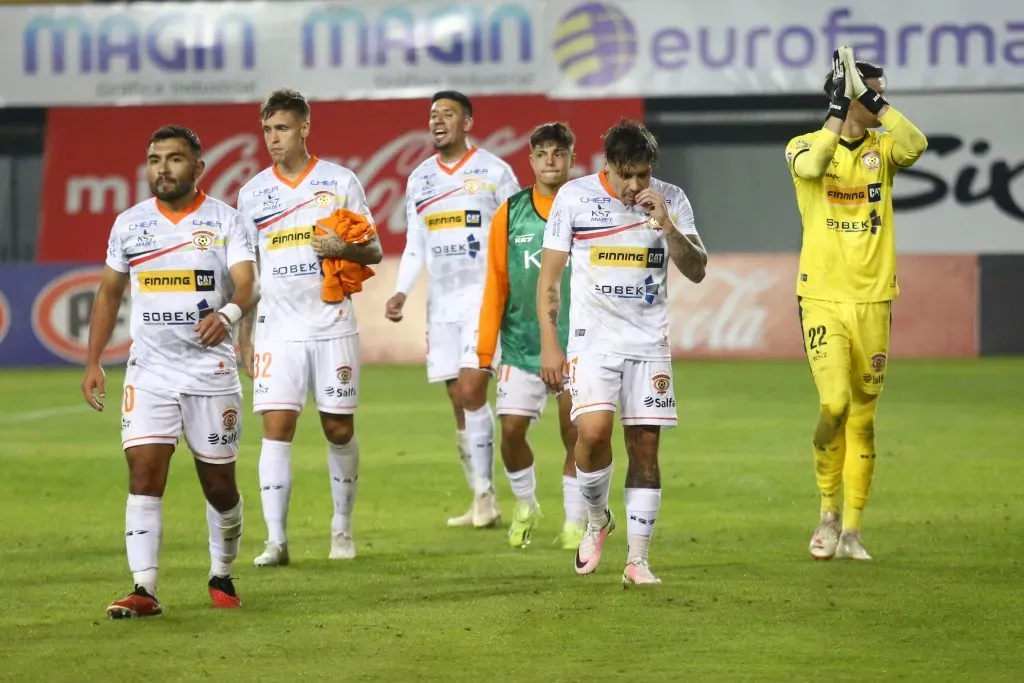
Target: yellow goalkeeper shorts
853 337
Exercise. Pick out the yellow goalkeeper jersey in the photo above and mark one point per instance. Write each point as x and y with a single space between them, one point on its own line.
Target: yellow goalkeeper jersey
849 251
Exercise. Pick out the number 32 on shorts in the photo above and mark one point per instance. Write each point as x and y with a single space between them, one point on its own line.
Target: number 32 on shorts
261 363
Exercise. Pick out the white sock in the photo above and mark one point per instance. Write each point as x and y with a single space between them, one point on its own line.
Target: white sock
524 485
343 464
275 487
480 433
143 529
594 487
464 456
572 500
225 536
641 512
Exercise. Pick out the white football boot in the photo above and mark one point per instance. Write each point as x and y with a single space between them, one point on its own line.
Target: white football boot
638 573
851 547
826 537
342 547
274 555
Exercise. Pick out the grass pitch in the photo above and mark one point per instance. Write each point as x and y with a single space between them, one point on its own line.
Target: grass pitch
742 600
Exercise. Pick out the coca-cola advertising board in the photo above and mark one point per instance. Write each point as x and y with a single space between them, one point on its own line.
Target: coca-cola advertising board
746 307
95 157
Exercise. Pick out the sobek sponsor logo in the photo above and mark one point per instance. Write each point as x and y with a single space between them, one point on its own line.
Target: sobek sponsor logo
596 44
102 42
411 35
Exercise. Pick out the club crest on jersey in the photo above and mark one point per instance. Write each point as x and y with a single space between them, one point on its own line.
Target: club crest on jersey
324 199
871 160
471 185
878 362
203 239
344 374
229 418
661 383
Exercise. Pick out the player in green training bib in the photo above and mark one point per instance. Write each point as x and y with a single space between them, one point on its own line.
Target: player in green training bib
510 310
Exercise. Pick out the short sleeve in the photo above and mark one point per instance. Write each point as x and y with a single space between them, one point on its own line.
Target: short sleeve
508 185
558 230
680 210
248 224
116 258
238 244
355 198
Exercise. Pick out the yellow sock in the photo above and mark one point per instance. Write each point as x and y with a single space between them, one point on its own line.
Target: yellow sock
829 454
860 465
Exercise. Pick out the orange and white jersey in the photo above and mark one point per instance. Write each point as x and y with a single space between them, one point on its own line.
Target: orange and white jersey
280 215
179 266
619 297
449 212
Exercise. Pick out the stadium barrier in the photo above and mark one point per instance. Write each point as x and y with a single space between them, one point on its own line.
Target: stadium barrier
745 308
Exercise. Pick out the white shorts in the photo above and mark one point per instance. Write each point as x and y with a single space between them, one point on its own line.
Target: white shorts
643 389
285 372
451 347
212 424
520 393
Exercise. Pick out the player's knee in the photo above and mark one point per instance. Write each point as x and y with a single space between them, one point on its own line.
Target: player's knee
836 408
862 425
593 433
279 425
339 429
473 388
513 431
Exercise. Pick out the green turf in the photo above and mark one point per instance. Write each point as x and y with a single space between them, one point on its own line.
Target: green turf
742 601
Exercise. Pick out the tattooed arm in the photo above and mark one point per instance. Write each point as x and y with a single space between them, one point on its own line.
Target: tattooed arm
684 245
687 252
552 358
332 246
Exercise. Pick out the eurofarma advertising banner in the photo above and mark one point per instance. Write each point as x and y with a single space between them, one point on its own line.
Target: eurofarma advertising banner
157 53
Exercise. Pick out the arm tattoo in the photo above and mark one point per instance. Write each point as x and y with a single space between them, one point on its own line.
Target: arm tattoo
553 304
689 259
363 254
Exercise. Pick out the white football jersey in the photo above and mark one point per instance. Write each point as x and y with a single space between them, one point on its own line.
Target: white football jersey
179 265
280 216
619 298
449 212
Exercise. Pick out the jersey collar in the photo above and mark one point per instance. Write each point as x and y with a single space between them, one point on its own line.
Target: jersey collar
853 144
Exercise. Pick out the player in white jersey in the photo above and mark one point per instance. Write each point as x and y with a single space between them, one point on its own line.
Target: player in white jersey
621 227
450 201
301 342
192 274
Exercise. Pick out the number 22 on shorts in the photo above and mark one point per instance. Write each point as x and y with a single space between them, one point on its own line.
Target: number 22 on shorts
261 363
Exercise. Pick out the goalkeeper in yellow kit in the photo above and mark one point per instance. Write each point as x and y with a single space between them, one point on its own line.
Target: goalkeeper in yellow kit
843 177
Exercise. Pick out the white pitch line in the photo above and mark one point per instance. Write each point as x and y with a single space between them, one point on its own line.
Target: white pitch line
31 415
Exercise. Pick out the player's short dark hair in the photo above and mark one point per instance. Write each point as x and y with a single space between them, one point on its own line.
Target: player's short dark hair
284 99
455 96
867 71
556 132
629 143
173 132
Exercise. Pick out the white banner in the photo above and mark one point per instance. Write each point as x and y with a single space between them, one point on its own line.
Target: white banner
966 193
652 48
237 52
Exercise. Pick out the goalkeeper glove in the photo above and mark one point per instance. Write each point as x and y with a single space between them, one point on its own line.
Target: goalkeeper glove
841 89
872 100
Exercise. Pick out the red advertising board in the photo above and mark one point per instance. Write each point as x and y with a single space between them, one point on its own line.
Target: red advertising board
94 157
